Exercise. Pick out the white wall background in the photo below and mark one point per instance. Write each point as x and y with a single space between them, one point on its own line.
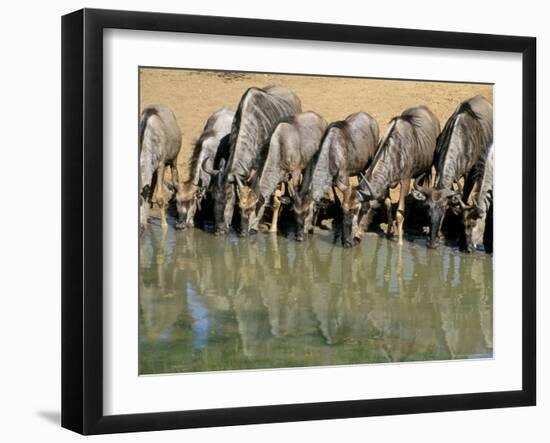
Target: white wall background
30 222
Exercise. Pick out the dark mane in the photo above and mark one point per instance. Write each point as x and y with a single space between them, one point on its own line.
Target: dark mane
466 107
411 117
290 119
340 124
405 150
258 113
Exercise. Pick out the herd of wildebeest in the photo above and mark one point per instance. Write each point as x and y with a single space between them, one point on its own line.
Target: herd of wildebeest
269 153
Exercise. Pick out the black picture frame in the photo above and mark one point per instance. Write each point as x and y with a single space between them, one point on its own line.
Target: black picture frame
82 218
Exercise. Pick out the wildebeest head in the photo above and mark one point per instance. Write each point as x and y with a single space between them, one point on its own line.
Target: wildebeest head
188 200
248 199
218 195
303 208
473 218
352 205
437 201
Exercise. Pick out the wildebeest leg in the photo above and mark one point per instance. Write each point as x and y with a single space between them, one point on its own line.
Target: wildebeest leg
230 199
175 175
159 196
337 221
400 270
276 254
314 217
256 218
143 212
276 208
400 216
389 215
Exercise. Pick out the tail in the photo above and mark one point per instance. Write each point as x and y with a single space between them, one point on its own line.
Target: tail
148 112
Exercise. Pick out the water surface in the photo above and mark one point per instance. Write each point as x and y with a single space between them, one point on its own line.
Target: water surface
211 303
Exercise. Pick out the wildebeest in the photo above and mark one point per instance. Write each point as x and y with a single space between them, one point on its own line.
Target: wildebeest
347 148
466 134
474 213
190 193
292 145
159 146
259 112
405 152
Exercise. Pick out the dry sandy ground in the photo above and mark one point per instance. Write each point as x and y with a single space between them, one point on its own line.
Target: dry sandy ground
195 95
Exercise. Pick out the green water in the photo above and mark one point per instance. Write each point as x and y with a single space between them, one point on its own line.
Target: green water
212 303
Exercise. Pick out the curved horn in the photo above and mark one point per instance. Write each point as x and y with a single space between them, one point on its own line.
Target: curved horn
456 203
207 169
363 196
363 178
462 204
458 198
252 175
239 181
244 168
417 185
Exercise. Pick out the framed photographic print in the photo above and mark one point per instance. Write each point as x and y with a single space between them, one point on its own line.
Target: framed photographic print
270 221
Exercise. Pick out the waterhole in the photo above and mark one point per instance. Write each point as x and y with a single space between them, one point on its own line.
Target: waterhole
210 303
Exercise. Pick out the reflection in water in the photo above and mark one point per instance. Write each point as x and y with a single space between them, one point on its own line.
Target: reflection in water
217 303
